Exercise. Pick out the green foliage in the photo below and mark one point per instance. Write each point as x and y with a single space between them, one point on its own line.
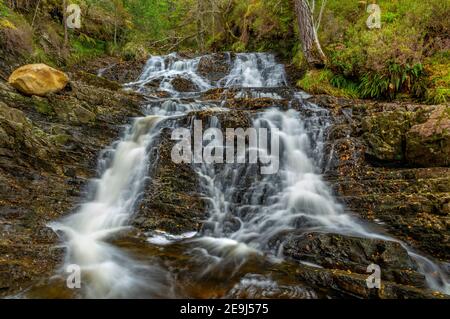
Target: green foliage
84 48
262 25
389 17
438 66
325 82
4 10
405 57
388 61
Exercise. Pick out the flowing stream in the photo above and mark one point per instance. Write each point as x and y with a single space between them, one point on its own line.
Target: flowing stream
246 210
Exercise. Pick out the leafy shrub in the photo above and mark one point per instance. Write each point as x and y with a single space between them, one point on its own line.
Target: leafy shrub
325 82
387 61
16 37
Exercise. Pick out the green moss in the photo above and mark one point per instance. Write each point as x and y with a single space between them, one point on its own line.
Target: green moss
438 68
321 82
85 48
43 107
61 138
390 62
4 10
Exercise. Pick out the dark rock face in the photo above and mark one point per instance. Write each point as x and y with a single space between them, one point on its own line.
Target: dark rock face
428 144
215 66
172 201
371 167
183 85
114 69
335 251
354 285
48 151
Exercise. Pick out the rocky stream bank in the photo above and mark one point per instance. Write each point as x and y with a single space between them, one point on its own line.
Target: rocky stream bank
387 162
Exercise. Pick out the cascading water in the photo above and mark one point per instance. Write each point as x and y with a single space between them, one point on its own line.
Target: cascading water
294 197
247 210
116 193
163 70
255 70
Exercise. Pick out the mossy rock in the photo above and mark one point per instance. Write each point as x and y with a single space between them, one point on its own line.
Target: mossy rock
97 81
428 144
384 134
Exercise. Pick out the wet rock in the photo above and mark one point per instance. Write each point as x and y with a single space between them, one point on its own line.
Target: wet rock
335 251
172 200
183 85
48 150
354 285
214 66
116 70
255 103
293 73
410 202
154 84
253 286
234 119
428 144
97 81
38 79
384 134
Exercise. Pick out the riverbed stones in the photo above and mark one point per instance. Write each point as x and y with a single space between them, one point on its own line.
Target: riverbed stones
337 251
181 84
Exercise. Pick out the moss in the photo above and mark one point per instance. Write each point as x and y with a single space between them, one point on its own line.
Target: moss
85 48
5 23
61 138
134 50
319 82
438 68
391 62
385 133
42 106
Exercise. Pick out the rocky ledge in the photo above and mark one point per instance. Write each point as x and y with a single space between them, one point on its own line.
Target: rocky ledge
48 150
389 163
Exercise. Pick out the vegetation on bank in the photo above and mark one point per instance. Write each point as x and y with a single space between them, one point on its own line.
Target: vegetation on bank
409 57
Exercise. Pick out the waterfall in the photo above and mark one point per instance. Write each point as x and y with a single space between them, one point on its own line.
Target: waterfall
117 191
247 211
163 70
296 197
255 70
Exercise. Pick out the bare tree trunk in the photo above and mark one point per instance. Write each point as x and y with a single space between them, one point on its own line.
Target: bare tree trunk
200 25
66 32
35 13
115 27
308 34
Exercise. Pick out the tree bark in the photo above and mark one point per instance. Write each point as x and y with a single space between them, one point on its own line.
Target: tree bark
66 33
35 13
308 35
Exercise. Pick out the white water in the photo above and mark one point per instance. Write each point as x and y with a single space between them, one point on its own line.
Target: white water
164 69
255 70
108 271
245 213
